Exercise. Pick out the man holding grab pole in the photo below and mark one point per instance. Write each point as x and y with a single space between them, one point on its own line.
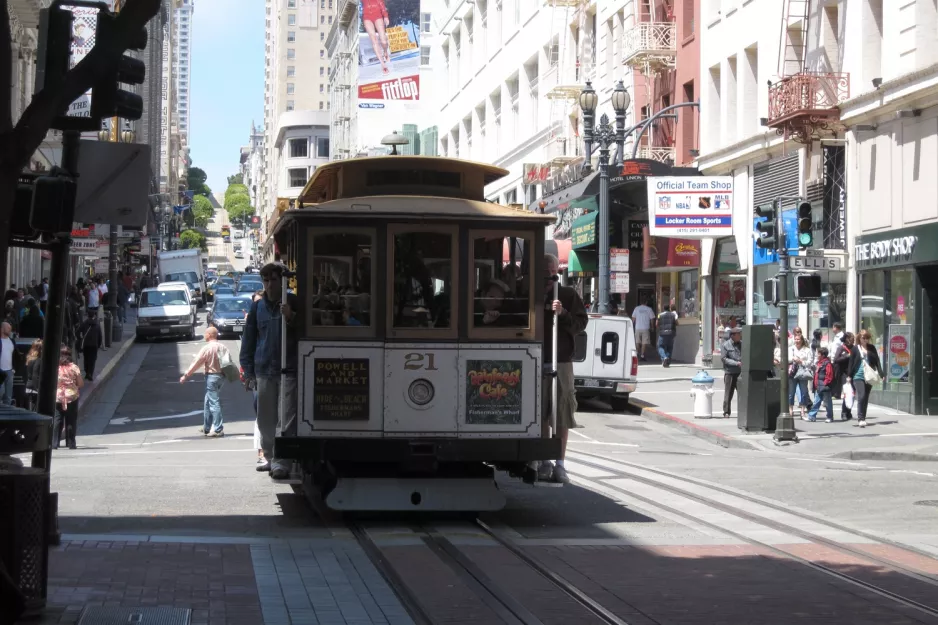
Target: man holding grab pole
563 304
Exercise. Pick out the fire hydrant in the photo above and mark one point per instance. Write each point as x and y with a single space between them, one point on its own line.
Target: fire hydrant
702 392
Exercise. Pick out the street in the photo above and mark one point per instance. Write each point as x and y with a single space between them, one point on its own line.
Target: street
658 526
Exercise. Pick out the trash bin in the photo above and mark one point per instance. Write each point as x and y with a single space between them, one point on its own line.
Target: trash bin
24 504
702 392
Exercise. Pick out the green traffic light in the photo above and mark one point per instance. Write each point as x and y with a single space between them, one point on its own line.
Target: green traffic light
805 239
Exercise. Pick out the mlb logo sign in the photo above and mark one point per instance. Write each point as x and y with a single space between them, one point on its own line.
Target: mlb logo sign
721 202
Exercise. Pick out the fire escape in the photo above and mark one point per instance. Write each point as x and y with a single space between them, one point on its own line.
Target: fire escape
650 47
564 81
803 104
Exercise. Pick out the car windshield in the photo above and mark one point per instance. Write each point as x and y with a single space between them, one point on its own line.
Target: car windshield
152 299
250 286
232 305
189 277
224 290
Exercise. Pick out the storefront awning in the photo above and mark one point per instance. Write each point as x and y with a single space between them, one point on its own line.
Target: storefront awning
582 264
583 231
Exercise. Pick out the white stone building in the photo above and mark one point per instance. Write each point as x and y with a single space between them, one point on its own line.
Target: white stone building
182 64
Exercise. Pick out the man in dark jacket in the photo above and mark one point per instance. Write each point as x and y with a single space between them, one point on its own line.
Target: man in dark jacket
571 320
731 354
90 341
667 328
260 361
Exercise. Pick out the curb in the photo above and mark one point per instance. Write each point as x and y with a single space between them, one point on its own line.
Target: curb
689 427
105 375
894 456
656 380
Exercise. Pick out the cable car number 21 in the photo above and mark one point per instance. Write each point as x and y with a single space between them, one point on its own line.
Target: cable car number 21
416 361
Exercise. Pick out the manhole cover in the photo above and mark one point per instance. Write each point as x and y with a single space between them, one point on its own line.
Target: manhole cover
928 502
134 616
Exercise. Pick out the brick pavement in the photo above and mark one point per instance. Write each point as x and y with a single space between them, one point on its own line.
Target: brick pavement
264 582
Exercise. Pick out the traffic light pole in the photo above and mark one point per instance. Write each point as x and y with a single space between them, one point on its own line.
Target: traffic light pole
785 426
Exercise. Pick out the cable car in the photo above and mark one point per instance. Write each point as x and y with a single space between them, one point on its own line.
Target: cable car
420 329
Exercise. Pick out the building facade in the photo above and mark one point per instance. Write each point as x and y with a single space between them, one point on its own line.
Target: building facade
296 101
182 64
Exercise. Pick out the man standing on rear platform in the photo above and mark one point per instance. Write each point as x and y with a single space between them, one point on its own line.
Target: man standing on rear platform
260 361
571 320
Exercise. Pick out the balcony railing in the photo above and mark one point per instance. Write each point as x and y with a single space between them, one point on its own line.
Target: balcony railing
805 103
659 153
650 43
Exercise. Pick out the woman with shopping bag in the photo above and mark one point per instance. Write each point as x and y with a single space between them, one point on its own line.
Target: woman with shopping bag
866 370
843 384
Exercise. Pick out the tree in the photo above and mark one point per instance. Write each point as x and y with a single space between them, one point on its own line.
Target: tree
202 211
190 239
18 143
236 179
196 181
240 212
236 189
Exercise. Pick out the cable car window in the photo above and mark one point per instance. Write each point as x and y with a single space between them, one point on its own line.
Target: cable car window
609 353
501 281
341 289
423 280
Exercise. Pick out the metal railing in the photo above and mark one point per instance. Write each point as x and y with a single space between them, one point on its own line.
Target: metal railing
807 94
649 39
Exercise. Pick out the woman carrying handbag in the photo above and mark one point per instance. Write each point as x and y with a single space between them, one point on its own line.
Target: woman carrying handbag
800 370
866 371
843 383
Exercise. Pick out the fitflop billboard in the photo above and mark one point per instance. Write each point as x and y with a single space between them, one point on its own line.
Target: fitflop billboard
389 50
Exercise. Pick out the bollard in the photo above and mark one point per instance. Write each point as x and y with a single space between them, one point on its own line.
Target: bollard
108 323
702 392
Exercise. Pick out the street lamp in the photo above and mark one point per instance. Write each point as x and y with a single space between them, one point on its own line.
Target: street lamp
605 136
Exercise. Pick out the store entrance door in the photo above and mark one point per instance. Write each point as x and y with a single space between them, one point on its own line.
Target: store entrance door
926 321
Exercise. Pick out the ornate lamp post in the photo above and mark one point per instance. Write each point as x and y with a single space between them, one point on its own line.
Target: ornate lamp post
605 136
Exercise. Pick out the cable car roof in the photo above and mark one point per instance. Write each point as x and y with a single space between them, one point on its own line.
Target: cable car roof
409 206
400 175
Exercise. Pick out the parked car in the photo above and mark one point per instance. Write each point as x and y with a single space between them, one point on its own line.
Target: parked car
166 310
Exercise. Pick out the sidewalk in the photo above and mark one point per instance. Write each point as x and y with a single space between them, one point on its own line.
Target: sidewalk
107 361
889 435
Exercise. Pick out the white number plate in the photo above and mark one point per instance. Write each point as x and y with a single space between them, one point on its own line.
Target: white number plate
590 382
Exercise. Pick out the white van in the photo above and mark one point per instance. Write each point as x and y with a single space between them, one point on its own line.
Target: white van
605 360
166 310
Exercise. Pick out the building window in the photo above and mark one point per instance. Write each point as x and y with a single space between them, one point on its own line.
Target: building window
291 19
299 148
320 105
322 4
322 147
297 177
290 88
322 19
322 36
322 88
291 36
291 71
322 53
291 53
291 4
425 22
424 55
289 105
330 19
322 71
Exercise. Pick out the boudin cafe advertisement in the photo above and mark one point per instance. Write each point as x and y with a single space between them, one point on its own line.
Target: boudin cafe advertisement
667 254
493 392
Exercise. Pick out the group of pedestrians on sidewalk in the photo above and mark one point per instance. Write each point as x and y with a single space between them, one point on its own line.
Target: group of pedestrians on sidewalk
848 375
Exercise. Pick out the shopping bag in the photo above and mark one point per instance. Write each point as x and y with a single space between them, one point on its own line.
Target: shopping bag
870 375
228 367
849 396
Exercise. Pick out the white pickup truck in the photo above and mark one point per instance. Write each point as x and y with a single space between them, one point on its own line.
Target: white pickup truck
605 360
184 266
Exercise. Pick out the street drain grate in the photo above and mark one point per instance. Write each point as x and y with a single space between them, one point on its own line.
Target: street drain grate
134 616
928 502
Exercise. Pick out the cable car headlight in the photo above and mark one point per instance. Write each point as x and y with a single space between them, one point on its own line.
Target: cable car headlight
420 392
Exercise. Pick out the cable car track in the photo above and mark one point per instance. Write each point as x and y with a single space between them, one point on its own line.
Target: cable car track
872 587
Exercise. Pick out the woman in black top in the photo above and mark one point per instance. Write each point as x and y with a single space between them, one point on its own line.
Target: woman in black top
32 324
841 363
866 352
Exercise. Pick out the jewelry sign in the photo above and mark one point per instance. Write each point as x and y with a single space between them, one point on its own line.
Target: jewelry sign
693 207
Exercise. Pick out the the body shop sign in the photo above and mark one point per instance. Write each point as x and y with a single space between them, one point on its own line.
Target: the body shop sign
894 251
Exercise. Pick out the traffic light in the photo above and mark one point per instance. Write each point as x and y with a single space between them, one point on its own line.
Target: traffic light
768 227
805 225
107 99
55 46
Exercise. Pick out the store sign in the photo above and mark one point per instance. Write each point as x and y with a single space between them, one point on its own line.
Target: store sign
636 235
835 197
619 282
661 253
535 173
815 263
84 247
618 260
693 207
887 252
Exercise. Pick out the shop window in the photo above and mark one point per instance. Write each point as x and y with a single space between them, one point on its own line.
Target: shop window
831 308
340 284
501 302
897 352
874 315
421 276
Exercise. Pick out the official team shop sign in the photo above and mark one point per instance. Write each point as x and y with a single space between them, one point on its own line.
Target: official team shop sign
341 389
697 207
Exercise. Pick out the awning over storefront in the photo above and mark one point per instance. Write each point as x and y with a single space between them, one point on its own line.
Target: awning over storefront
583 231
582 264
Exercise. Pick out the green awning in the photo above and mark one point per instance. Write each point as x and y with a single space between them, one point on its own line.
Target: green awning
583 231
582 264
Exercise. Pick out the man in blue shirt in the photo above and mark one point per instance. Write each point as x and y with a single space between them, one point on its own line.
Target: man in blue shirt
260 361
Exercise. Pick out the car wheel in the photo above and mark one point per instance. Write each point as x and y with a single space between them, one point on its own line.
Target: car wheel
619 403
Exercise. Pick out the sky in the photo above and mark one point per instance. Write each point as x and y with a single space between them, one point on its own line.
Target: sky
227 88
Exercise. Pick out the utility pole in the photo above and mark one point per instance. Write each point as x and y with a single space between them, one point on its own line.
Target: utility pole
785 426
